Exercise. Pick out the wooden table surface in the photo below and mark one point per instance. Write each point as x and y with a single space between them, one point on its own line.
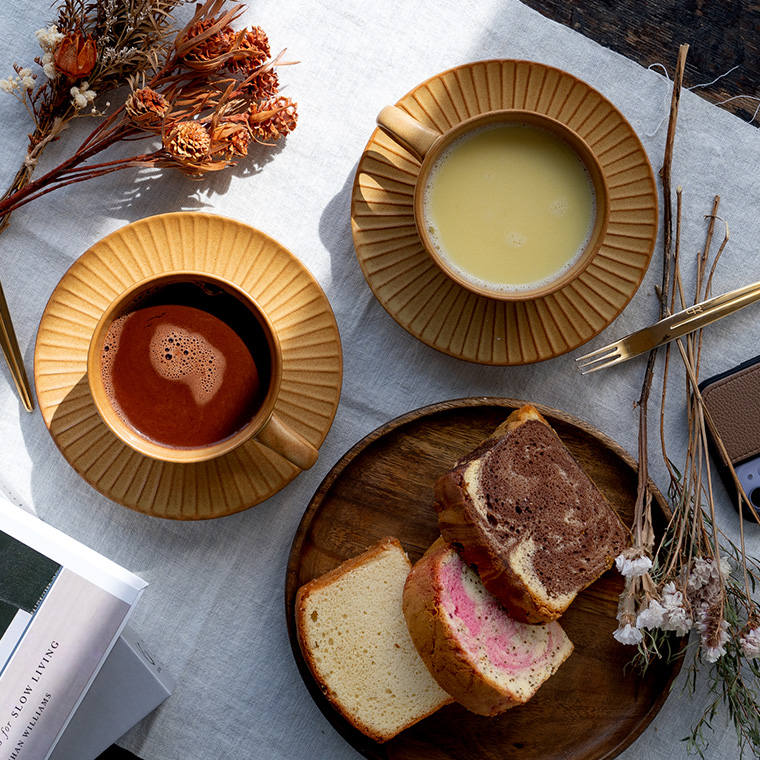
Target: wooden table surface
721 34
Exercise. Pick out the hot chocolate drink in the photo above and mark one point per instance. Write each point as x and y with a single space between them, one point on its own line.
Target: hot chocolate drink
186 365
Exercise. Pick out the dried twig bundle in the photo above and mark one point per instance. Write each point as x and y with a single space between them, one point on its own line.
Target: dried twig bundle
694 579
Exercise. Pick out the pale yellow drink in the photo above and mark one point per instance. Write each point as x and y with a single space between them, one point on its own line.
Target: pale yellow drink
509 206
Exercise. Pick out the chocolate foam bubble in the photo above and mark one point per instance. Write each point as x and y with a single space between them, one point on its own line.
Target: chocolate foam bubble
176 353
187 357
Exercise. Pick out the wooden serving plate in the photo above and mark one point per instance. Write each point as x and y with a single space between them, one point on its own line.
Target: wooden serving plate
595 705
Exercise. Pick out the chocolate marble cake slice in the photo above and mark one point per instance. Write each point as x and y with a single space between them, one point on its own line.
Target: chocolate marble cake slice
524 512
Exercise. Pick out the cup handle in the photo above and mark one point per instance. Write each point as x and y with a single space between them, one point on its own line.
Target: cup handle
276 435
406 131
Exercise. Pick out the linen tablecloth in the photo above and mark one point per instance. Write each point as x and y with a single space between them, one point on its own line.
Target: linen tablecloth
214 609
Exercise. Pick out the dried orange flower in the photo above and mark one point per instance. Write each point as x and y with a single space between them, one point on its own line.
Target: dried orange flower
76 56
263 86
189 142
147 107
272 119
230 138
251 51
207 94
209 51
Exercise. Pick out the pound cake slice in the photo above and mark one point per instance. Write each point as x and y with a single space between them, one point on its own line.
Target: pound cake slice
524 512
475 651
354 638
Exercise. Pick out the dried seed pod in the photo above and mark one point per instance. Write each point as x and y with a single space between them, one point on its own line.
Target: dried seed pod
146 107
189 141
76 56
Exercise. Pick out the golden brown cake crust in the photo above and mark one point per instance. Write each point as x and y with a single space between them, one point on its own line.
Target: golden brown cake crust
345 567
324 581
446 660
535 491
486 661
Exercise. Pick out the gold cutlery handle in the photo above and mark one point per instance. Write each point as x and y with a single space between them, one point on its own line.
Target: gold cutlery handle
701 314
12 353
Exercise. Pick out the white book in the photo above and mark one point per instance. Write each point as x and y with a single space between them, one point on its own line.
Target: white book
131 684
62 608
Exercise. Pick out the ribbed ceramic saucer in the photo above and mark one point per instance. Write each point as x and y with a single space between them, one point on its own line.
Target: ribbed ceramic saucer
446 316
299 309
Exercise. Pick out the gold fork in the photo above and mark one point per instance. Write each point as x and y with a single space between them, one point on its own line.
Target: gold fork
9 344
669 328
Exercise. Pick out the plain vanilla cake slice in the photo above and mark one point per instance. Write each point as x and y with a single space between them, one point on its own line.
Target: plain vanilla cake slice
354 638
476 652
522 510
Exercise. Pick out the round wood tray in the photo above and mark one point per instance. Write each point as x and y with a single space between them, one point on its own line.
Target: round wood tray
594 706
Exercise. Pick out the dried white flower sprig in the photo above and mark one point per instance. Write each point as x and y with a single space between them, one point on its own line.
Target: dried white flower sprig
693 582
22 82
632 564
680 606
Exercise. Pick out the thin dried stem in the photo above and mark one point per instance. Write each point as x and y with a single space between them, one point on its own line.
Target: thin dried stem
667 166
643 497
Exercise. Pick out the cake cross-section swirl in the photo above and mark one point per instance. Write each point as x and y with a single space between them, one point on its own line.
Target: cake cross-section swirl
522 510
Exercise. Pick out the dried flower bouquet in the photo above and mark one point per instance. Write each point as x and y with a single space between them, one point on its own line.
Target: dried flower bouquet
206 94
694 579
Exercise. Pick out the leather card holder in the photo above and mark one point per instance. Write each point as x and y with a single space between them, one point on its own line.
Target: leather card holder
733 401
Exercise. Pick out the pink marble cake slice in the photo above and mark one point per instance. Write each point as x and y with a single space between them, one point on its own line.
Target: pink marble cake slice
476 652
523 511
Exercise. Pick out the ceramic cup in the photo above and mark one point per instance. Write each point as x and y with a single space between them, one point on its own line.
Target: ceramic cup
203 380
427 145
